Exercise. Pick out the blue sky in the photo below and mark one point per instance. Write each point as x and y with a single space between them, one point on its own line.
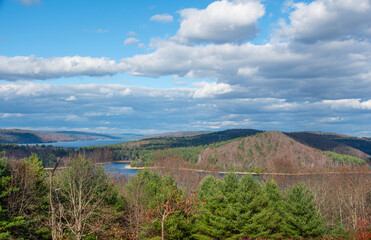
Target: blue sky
154 66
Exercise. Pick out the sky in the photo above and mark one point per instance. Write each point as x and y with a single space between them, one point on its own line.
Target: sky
147 67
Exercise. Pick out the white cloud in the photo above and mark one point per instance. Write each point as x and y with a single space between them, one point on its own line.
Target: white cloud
10 115
222 21
349 103
327 19
162 18
23 89
23 68
132 34
247 71
126 92
206 106
71 98
130 41
282 69
207 90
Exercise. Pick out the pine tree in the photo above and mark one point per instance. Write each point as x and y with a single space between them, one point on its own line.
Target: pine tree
7 223
276 199
301 216
235 208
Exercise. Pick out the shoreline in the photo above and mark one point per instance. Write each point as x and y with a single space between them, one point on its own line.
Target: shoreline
220 172
246 173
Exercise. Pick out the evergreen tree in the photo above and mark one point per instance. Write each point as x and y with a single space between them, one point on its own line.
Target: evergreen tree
236 208
276 199
7 223
301 216
157 207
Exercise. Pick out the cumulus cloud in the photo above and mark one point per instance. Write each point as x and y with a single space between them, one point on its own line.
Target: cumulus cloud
327 19
130 41
207 90
162 18
222 21
71 98
23 68
276 70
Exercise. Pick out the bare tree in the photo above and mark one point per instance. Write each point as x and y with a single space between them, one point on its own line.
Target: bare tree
77 193
171 204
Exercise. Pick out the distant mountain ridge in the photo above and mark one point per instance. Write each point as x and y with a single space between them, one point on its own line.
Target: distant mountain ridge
339 143
20 136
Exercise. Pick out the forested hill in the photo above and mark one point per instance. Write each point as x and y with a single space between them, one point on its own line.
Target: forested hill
271 151
25 136
200 139
339 143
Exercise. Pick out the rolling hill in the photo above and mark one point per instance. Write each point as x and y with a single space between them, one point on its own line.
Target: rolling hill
271 151
25 136
339 143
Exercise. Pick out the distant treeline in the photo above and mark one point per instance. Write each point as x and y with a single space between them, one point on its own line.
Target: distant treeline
47 154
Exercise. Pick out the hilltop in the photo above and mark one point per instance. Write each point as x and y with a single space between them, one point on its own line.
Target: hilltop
271 151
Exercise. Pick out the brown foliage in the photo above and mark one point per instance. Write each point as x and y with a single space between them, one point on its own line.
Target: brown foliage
23 200
272 151
342 197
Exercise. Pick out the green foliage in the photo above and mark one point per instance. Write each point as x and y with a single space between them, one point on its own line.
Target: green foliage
154 194
345 158
302 219
235 208
149 157
7 223
187 147
47 154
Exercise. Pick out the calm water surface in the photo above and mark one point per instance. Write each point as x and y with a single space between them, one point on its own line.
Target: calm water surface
120 168
83 143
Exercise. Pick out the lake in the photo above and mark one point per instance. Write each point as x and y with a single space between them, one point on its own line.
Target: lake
120 168
83 143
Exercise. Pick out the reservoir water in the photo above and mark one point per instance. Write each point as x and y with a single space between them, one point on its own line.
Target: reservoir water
119 168
83 143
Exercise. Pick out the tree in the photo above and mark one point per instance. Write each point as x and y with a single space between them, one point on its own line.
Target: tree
28 178
139 194
7 223
78 192
236 208
156 205
301 216
171 203
276 199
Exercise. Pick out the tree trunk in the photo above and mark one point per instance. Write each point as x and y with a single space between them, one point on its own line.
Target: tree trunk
163 228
